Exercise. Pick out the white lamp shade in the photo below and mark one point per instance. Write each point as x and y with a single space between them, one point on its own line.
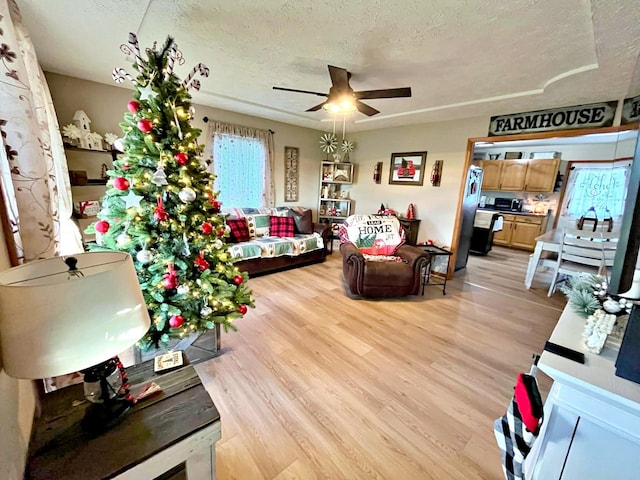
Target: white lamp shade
53 323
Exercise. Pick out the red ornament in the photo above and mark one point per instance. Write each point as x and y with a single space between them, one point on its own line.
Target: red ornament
207 228
238 279
217 205
121 183
220 232
182 158
176 321
102 226
242 309
160 213
145 125
133 106
170 279
201 262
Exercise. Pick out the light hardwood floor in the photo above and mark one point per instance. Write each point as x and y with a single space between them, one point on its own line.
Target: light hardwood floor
316 384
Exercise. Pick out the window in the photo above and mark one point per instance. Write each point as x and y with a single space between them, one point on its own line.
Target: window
242 164
601 188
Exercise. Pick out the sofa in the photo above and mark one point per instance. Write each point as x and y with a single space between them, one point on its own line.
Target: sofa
263 240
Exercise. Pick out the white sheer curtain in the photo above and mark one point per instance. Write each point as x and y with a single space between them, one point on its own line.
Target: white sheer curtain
33 169
242 159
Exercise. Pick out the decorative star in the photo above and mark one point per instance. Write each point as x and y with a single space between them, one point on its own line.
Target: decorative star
132 200
147 92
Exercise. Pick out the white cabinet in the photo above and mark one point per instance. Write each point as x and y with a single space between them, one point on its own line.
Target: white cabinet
592 418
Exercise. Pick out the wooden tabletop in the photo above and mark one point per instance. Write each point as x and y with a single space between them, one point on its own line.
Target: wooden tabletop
552 236
59 448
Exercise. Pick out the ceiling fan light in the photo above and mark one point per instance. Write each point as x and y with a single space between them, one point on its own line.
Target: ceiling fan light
331 107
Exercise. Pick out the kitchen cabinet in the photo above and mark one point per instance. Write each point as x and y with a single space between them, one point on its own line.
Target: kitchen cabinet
334 204
541 175
491 170
520 231
513 175
520 175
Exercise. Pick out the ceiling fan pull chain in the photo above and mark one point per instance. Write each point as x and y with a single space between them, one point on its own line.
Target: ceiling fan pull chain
344 124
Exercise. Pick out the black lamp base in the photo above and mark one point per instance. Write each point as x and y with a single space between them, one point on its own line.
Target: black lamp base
100 417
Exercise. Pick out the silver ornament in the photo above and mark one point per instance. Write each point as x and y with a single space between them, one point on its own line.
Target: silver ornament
144 256
123 239
217 243
206 311
187 195
183 289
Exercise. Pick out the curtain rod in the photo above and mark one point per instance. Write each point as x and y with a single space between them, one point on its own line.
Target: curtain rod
206 120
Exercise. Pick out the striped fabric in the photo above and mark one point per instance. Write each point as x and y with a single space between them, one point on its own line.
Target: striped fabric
514 440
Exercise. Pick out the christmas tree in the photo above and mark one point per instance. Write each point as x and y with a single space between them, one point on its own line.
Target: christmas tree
160 206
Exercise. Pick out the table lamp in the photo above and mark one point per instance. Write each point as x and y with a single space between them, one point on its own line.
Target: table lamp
68 314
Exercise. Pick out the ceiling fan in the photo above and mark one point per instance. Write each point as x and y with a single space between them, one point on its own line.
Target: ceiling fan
341 96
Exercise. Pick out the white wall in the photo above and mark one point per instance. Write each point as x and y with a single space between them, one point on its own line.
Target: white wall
105 105
435 206
17 404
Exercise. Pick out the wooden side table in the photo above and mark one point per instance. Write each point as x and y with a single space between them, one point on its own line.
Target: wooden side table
433 252
411 227
179 425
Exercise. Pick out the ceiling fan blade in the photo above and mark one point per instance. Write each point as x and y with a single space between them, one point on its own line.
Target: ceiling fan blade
301 91
384 93
316 107
339 77
366 109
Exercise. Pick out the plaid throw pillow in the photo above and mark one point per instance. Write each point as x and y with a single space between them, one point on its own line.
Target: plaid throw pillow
239 229
281 226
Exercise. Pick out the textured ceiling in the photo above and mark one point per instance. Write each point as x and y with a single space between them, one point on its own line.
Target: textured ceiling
462 58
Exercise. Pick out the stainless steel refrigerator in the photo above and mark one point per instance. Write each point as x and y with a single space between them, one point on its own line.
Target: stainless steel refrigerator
470 201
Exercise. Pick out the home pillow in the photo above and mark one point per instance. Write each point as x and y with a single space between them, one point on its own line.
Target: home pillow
239 229
281 226
373 234
302 219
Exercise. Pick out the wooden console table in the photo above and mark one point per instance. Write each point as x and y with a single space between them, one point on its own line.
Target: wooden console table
160 433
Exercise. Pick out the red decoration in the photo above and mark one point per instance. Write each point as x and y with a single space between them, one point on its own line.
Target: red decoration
220 232
102 226
182 158
126 166
120 183
238 279
207 228
133 106
145 125
242 309
201 262
217 205
160 214
176 321
411 213
170 279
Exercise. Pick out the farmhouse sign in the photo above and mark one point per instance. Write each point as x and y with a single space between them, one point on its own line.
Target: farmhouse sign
594 115
630 110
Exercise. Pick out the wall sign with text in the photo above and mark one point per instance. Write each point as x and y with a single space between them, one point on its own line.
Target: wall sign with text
630 110
593 115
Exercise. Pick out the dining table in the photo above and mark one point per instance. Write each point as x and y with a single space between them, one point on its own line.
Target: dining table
547 243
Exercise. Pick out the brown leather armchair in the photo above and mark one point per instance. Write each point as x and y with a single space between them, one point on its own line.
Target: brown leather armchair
383 279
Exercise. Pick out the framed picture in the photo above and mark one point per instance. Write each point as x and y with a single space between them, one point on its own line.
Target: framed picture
291 174
512 155
407 168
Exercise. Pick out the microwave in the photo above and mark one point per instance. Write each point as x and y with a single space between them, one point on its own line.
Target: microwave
508 204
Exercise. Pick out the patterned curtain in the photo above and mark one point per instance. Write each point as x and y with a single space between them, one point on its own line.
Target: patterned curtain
33 170
242 159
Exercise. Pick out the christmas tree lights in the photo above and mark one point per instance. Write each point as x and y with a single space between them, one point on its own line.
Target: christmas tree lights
160 205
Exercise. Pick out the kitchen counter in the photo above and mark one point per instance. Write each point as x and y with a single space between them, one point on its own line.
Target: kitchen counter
529 214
